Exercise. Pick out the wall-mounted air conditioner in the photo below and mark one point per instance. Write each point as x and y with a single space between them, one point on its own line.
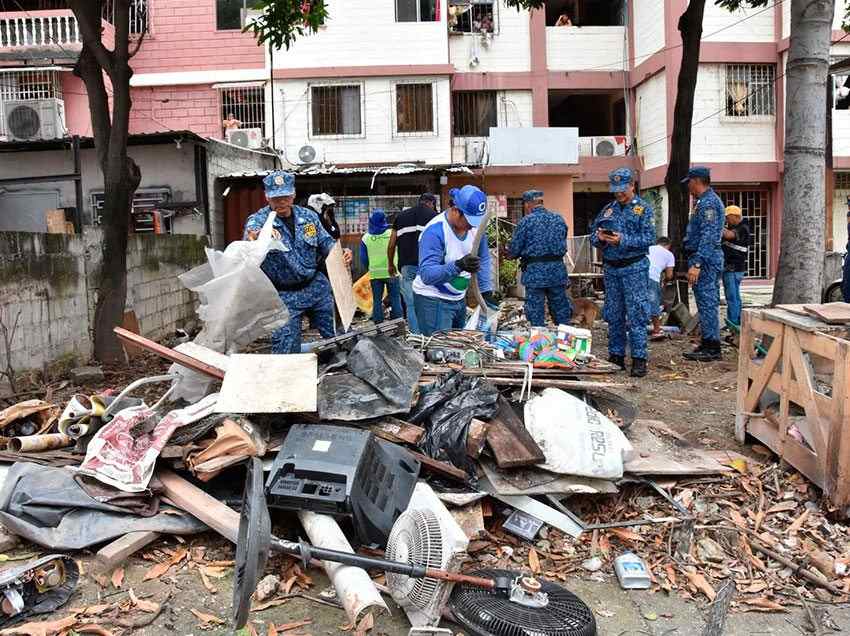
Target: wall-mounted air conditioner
614 146
475 151
34 119
245 137
585 146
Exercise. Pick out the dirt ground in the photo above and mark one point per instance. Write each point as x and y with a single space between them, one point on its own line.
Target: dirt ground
696 400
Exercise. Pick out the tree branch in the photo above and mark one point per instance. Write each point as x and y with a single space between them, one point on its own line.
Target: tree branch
90 71
88 14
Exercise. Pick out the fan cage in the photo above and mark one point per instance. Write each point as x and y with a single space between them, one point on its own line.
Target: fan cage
416 539
489 613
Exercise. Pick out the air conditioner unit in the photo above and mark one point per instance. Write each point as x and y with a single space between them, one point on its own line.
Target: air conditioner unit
475 151
585 146
609 146
245 137
34 119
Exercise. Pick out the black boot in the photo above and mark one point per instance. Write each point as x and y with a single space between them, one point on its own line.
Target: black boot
638 367
620 361
710 352
696 351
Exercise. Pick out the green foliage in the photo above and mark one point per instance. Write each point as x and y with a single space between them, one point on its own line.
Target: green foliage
282 21
508 271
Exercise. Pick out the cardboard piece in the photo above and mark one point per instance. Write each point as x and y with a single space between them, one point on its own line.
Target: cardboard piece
270 384
830 313
535 481
658 450
339 275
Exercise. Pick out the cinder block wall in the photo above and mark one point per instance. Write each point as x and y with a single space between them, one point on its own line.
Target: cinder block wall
50 282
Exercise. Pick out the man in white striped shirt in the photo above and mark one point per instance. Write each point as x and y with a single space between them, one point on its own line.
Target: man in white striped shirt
407 228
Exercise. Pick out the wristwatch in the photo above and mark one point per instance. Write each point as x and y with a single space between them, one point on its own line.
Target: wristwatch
697 265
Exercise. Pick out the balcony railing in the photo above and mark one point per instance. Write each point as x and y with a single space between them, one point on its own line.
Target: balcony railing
21 30
591 48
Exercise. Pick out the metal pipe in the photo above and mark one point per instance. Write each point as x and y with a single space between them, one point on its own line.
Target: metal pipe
36 443
353 586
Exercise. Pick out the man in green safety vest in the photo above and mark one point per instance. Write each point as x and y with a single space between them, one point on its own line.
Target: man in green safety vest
373 255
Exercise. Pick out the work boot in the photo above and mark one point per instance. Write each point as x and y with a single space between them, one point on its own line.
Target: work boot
638 367
709 353
620 361
696 351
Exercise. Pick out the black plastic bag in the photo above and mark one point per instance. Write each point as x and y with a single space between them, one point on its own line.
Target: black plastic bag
446 408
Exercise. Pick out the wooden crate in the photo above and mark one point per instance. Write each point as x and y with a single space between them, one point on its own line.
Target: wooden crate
807 364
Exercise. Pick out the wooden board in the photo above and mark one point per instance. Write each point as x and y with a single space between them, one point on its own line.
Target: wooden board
114 554
470 519
443 469
536 481
510 442
658 450
256 383
339 274
398 431
211 511
794 309
131 323
806 323
830 313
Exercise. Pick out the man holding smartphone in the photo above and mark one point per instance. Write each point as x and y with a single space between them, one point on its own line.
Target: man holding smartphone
624 230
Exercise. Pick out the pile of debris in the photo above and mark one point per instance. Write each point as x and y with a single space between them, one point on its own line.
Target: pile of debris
496 456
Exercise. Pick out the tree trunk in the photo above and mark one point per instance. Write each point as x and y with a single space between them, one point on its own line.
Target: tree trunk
690 26
121 175
800 275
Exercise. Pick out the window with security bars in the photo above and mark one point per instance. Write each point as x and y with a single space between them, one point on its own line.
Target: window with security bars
842 180
473 113
414 108
336 110
138 15
472 16
416 10
514 209
27 85
754 207
242 107
749 90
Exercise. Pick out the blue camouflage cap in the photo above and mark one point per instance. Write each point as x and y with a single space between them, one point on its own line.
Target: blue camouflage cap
472 201
532 195
620 178
697 172
279 184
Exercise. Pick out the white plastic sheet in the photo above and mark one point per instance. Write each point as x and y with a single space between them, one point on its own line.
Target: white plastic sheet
575 438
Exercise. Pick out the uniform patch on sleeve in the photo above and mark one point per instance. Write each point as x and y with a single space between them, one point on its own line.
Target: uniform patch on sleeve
608 213
310 230
709 214
639 209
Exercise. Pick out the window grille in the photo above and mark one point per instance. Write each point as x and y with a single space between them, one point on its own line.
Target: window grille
749 90
754 206
842 180
25 85
473 113
336 110
472 16
416 11
243 106
414 108
138 15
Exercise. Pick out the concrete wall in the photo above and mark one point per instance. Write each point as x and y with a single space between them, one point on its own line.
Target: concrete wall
592 48
509 49
191 107
51 279
365 32
513 110
648 28
224 159
651 105
720 138
379 144
743 25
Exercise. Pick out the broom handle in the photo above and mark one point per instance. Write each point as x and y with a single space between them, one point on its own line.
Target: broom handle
475 581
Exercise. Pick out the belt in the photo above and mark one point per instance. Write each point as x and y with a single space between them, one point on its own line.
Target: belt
525 261
623 262
296 286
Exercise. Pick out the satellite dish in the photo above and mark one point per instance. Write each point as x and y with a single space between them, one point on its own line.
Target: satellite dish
306 154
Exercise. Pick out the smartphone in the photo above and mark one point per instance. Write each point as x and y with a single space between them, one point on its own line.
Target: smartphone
608 232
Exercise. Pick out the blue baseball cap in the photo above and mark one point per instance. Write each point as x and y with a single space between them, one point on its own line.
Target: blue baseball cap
472 201
279 184
620 178
532 195
697 172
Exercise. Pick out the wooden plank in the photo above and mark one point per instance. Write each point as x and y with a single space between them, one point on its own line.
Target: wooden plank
256 383
470 519
794 309
761 379
169 354
510 442
837 470
794 320
830 313
131 323
114 554
398 431
760 325
819 343
745 352
476 437
666 453
443 469
211 511
339 275
818 427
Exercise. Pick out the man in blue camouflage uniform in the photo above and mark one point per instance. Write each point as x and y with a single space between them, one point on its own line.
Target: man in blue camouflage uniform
624 230
295 270
703 248
540 242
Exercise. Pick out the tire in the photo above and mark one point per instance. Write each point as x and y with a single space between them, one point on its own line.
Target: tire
833 293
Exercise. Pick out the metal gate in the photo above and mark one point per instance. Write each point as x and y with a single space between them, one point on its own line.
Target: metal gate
755 208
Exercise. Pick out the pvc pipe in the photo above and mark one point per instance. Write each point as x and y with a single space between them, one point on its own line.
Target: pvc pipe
353 586
36 443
